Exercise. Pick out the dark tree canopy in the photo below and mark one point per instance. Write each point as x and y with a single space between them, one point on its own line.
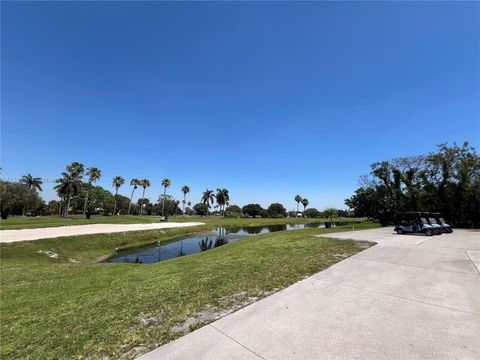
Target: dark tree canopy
276 210
252 210
446 181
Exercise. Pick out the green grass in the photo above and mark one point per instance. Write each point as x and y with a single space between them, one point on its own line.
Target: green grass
53 308
24 222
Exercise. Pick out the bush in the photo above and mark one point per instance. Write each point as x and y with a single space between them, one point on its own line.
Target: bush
252 210
312 213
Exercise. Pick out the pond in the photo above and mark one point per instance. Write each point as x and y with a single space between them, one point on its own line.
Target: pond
197 243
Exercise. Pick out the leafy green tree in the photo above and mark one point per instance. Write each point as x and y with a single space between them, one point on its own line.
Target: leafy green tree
233 211
276 210
312 213
118 181
208 198
201 209
185 191
16 197
93 174
134 183
252 210
165 183
298 200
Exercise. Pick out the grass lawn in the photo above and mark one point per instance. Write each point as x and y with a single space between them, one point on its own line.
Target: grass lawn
54 308
25 222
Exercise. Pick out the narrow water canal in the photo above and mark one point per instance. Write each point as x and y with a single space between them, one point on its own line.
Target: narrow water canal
197 243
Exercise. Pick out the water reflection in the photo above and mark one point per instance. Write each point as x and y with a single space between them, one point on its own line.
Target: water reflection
197 243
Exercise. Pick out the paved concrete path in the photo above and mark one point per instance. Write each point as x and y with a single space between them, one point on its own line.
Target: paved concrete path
409 297
8 236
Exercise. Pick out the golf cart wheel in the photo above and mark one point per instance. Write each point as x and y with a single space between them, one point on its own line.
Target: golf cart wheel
450 230
428 232
399 231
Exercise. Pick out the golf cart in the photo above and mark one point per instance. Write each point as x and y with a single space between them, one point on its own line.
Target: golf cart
436 218
414 223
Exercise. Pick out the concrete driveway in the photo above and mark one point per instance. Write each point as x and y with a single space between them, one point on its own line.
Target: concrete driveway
409 297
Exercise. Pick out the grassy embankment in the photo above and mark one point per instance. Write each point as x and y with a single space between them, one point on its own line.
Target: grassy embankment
54 308
24 222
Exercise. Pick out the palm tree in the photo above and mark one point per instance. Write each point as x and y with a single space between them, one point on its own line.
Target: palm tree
145 183
93 174
117 182
185 191
304 203
330 213
34 183
69 185
298 199
165 183
208 198
134 182
222 198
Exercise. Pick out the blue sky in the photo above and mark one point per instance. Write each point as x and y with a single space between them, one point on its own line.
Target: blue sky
266 99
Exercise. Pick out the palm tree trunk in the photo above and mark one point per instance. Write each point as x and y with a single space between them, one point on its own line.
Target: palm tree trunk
68 204
163 200
141 204
85 203
184 201
60 206
130 203
115 202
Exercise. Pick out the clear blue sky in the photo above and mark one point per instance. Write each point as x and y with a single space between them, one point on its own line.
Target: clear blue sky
266 99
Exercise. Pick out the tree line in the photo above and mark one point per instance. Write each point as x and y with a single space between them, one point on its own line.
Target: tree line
445 181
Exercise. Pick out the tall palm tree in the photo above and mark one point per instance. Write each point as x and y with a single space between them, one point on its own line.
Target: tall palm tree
185 191
145 183
298 199
117 182
165 183
208 198
93 174
34 183
69 185
222 198
305 204
31 182
134 182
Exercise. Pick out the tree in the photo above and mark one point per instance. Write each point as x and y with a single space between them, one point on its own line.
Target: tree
185 191
222 198
305 204
233 211
145 183
93 175
445 181
276 210
201 209
134 182
118 181
208 198
15 198
165 183
298 200
252 210
69 185
312 213
32 183
330 213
